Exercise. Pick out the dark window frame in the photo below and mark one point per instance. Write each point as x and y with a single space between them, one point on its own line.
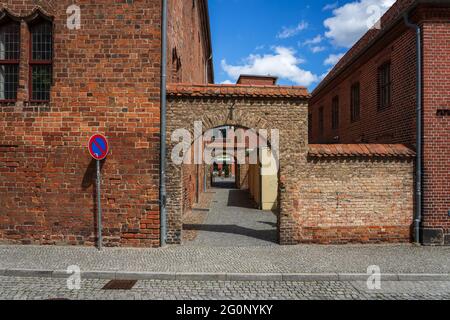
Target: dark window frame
384 86
355 102
335 113
35 63
15 61
310 124
321 121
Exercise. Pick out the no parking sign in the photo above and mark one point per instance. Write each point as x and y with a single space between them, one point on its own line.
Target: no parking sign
98 147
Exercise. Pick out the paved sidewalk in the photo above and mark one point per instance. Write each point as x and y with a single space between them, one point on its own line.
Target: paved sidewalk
305 262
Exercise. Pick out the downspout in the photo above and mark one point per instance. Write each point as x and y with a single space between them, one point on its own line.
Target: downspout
163 151
419 146
207 69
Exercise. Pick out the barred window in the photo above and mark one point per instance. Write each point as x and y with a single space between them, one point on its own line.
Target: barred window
9 60
41 60
384 86
355 102
335 113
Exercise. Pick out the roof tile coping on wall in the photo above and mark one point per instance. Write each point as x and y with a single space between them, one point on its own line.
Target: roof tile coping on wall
236 90
360 150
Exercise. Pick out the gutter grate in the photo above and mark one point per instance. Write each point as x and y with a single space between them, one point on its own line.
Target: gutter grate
120 285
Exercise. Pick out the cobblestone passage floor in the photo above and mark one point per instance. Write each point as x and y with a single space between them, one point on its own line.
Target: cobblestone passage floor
44 288
233 221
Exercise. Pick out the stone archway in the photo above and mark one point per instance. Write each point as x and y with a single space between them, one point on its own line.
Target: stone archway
249 108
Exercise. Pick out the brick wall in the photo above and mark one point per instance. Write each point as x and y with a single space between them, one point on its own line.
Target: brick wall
106 79
349 198
355 199
436 68
188 42
193 185
282 108
395 124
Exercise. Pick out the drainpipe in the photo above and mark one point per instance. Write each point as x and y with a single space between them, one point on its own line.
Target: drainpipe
163 151
418 194
207 69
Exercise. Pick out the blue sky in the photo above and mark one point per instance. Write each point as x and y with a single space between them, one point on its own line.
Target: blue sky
297 40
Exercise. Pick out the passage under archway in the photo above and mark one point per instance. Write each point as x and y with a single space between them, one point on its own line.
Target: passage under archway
231 198
280 109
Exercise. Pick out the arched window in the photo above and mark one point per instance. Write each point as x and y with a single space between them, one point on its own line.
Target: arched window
41 60
9 58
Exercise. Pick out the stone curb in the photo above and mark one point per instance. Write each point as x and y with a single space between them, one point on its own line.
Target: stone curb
300 277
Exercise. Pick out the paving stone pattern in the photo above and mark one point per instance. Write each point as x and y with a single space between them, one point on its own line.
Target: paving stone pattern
42 288
233 221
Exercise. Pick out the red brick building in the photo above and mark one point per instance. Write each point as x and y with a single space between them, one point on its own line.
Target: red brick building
370 97
60 85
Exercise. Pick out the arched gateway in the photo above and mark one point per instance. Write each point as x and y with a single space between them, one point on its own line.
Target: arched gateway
257 108
326 193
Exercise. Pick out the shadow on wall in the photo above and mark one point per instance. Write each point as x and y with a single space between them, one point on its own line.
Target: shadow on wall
89 179
91 174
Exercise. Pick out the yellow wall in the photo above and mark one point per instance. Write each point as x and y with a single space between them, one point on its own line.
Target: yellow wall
263 182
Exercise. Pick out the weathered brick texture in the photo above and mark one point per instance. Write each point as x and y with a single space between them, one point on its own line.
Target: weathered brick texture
356 199
106 79
436 139
340 200
256 108
397 123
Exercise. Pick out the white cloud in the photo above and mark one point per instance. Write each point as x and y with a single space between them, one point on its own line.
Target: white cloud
350 21
333 59
316 40
317 49
330 6
283 64
292 31
227 82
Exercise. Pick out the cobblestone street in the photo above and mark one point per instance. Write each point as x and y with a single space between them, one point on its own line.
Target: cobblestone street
233 221
45 288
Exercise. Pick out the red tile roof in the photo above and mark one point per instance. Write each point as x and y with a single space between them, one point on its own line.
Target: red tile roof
387 20
360 150
236 90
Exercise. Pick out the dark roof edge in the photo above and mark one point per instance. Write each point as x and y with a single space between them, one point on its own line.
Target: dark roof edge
367 47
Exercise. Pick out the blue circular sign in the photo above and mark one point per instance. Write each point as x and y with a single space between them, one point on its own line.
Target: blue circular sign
98 147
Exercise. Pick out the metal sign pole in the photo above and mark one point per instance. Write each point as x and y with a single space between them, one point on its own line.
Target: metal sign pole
99 208
98 147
